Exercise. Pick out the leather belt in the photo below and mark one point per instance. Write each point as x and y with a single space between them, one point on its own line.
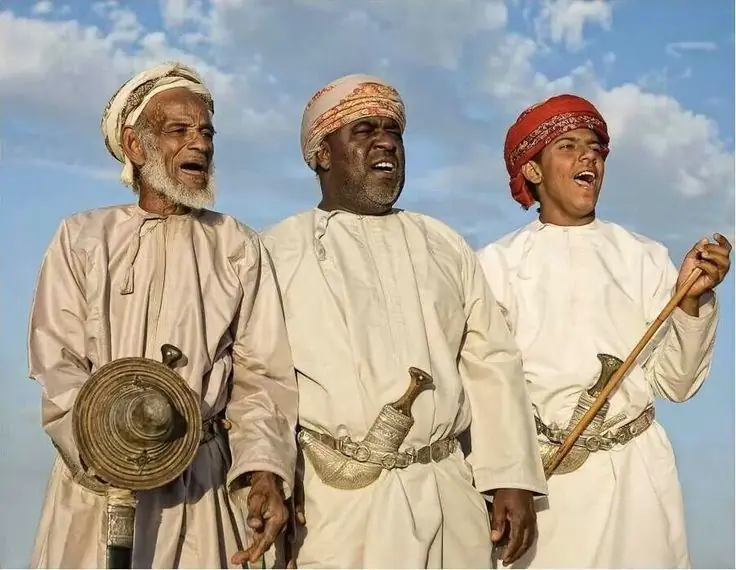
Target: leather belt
362 453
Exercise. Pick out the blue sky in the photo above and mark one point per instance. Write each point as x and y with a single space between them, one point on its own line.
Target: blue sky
661 72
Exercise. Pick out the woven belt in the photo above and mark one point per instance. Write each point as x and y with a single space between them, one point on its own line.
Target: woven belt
362 453
605 441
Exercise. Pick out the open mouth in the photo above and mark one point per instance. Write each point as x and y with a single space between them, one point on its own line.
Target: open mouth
197 169
384 166
586 178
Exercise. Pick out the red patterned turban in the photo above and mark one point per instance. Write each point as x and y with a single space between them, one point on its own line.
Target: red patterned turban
538 126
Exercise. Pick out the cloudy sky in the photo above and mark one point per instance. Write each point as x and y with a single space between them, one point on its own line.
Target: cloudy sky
661 71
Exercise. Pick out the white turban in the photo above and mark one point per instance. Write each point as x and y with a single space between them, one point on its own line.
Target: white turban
126 106
343 101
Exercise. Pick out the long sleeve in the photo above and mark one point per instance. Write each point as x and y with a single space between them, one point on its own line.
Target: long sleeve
682 351
504 450
56 340
264 400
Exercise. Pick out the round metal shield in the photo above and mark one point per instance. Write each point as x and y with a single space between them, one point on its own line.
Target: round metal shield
102 435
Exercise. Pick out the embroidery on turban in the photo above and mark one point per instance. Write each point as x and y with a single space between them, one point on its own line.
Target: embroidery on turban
128 103
538 126
343 101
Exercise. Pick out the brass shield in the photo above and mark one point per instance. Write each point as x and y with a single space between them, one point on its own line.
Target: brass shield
137 424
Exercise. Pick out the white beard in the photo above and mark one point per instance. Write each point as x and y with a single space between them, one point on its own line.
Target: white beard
154 174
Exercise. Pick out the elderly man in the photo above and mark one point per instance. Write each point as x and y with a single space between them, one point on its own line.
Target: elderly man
120 282
377 300
573 287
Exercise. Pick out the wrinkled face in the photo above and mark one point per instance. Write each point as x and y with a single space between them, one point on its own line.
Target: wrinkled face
365 163
569 174
176 137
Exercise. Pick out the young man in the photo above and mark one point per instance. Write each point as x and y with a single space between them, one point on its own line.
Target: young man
120 282
572 287
369 292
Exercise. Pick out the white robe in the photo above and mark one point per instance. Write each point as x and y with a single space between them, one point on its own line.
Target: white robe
569 293
365 298
120 282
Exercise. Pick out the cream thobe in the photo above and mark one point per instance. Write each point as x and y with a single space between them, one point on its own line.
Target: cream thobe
569 293
365 298
119 282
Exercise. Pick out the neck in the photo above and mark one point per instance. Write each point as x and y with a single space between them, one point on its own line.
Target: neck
562 219
156 203
330 205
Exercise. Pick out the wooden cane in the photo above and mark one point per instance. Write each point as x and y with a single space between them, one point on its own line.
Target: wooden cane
618 376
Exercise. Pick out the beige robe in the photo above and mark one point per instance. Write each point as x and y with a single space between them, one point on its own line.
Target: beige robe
365 298
119 282
569 293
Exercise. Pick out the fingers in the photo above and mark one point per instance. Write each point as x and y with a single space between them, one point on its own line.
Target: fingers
697 248
240 557
718 255
267 515
723 242
256 506
713 259
715 269
498 521
244 557
516 538
713 250
721 247
528 535
262 543
272 522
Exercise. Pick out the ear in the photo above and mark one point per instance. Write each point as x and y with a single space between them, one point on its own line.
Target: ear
323 156
132 147
532 172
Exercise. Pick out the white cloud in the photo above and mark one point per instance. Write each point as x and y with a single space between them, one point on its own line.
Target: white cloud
675 49
563 21
43 7
85 65
176 13
263 60
672 170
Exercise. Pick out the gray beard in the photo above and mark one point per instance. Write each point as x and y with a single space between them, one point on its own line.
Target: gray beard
154 174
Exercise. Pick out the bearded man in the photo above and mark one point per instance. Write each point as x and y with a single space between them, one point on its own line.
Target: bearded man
373 295
573 287
120 282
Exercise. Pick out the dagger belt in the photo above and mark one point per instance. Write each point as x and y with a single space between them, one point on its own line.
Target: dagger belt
592 440
346 464
366 453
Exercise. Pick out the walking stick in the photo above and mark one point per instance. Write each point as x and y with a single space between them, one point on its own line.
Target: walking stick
618 376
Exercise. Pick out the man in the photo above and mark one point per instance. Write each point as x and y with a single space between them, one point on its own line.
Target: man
572 287
370 291
120 282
